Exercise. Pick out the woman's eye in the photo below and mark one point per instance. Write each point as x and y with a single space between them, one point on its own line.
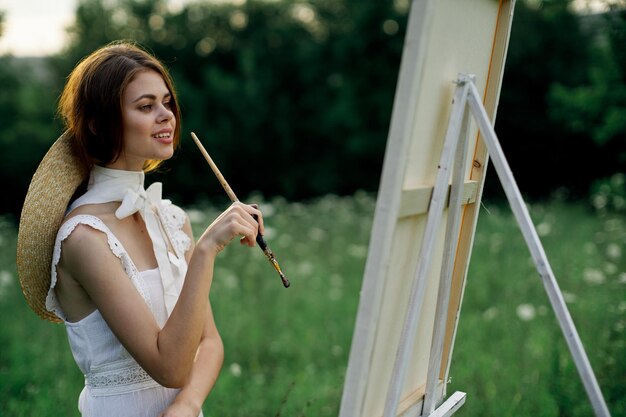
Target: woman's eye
146 107
167 105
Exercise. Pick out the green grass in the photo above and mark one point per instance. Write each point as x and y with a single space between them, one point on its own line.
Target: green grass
287 349
510 355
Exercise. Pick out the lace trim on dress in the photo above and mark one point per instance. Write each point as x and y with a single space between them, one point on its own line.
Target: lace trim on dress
116 247
118 377
175 219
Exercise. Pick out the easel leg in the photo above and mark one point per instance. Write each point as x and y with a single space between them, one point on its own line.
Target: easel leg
450 406
538 254
435 213
453 227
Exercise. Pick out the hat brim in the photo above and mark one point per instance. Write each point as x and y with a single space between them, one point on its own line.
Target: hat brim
54 183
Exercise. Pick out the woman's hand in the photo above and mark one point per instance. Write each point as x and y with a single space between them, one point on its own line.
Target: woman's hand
180 409
238 220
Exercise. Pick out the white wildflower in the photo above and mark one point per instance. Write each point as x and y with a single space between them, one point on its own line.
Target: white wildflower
284 240
316 234
593 276
495 243
589 248
270 232
235 369
526 312
613 225
196 216
5 278
614 251
610 268
334 294
357 251
305 268
490 314
544 229
268 209
336 280
569 297
231 281
5 281
599 201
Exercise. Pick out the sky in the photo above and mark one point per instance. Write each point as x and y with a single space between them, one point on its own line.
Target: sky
37 27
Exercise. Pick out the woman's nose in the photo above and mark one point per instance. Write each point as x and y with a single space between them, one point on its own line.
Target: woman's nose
165 114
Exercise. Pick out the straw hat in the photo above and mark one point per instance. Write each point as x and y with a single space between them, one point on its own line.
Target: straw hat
58 176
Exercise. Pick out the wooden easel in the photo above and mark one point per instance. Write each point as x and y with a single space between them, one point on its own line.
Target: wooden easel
467 101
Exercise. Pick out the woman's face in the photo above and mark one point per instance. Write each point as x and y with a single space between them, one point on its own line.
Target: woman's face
148 122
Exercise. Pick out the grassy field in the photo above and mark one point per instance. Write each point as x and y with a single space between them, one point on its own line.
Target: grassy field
287 349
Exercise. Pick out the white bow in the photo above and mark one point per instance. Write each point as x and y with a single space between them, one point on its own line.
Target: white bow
147 203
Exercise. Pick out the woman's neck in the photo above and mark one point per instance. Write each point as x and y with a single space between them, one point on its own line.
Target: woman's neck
126 164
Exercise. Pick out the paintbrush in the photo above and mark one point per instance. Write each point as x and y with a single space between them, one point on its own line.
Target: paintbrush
229 191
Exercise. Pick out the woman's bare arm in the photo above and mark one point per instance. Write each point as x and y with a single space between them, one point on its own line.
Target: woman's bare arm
167 354
203 375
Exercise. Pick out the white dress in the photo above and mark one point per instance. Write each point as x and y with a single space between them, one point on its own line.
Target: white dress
115 384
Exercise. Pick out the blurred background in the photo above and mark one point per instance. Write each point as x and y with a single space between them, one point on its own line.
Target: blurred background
300 93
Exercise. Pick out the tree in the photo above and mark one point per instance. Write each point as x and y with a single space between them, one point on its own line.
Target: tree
547 46
26 120
301 93
288 90
598 106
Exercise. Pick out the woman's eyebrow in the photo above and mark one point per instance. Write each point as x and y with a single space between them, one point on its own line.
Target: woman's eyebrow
151 97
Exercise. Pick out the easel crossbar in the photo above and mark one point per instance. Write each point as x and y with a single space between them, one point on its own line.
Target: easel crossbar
467 101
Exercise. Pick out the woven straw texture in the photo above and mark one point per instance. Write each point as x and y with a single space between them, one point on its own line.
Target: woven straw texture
58 176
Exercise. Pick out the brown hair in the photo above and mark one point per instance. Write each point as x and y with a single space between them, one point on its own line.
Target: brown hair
91 102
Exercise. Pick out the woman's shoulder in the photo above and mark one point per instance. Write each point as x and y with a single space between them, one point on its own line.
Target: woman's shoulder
82 233
86 247
85 251
85 227
104 211
78 226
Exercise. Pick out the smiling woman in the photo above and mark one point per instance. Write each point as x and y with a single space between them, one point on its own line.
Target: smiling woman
118 264
100 125
148 121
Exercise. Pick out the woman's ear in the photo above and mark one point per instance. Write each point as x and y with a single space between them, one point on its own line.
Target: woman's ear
92 126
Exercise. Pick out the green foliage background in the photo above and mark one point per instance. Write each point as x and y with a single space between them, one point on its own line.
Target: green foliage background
562 112
301 92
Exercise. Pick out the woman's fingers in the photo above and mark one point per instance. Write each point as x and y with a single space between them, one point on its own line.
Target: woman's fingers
247 230
237 220
259 218
251 214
